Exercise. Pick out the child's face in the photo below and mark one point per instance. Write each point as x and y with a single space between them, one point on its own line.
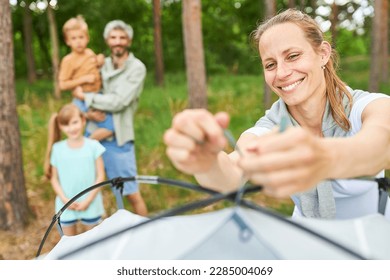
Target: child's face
75 128
77 40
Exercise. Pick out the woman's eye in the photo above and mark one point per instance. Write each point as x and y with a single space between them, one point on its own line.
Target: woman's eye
269 66
293 56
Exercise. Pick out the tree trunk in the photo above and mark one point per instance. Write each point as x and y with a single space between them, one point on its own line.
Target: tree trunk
270 10
55 50
28 31
158 50
13 197
302 5
194 53
45 57
385 40
333 23
376 49
291 4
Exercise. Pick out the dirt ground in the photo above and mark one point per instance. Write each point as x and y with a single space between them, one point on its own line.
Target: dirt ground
24 245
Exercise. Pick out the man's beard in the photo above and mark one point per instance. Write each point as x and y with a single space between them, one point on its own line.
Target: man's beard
119 51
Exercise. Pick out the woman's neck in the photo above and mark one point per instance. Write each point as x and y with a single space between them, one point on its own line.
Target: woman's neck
309 118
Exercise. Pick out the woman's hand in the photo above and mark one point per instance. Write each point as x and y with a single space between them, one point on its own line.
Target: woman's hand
195 139
286 163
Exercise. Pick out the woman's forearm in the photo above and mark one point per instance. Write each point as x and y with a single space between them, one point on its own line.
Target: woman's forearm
364 154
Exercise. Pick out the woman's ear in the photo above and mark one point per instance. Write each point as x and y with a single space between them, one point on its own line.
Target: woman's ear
325 51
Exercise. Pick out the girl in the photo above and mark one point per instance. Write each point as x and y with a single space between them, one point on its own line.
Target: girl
72 165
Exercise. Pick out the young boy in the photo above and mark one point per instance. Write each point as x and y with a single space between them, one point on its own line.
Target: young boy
80 68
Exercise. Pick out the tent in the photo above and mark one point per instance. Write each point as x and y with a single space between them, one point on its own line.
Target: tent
245 231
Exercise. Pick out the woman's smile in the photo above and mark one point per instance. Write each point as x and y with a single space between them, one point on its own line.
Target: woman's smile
292 86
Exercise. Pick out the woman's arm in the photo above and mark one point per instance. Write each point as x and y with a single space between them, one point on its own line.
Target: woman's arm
225 175
294 161
368 152
194 145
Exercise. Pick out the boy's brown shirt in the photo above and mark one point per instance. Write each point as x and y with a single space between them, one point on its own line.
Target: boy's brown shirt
74 66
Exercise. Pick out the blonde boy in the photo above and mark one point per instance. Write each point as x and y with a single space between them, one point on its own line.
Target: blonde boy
81 68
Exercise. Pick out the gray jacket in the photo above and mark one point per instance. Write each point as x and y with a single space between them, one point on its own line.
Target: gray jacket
121 90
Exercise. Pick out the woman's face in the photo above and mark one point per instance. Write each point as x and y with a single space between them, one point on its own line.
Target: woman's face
291 66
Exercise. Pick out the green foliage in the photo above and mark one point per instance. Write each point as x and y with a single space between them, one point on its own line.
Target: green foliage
355 72
226 27
360 45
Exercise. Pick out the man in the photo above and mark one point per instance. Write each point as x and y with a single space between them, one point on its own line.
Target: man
123 77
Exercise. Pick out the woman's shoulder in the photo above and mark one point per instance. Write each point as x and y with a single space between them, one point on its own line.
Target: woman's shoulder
358 94
362 97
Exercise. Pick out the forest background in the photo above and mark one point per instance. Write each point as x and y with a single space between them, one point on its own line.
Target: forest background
234 83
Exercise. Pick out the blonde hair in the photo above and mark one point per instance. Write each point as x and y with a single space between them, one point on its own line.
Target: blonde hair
62 117
335 87
75 23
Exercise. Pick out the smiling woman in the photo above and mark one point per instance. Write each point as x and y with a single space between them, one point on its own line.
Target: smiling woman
288 65
331 132
289 62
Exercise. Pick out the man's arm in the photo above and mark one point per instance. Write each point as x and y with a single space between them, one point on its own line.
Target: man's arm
127 90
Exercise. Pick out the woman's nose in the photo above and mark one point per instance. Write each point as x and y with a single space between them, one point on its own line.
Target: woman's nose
283 70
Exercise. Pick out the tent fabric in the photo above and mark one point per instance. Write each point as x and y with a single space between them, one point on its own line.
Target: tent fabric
231 233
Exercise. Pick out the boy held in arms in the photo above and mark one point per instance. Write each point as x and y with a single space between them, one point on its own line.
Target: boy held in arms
81 68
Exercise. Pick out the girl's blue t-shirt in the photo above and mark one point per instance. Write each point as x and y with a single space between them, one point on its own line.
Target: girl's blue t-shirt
77 171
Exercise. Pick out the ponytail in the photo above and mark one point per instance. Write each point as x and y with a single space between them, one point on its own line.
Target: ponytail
61 118
54 135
